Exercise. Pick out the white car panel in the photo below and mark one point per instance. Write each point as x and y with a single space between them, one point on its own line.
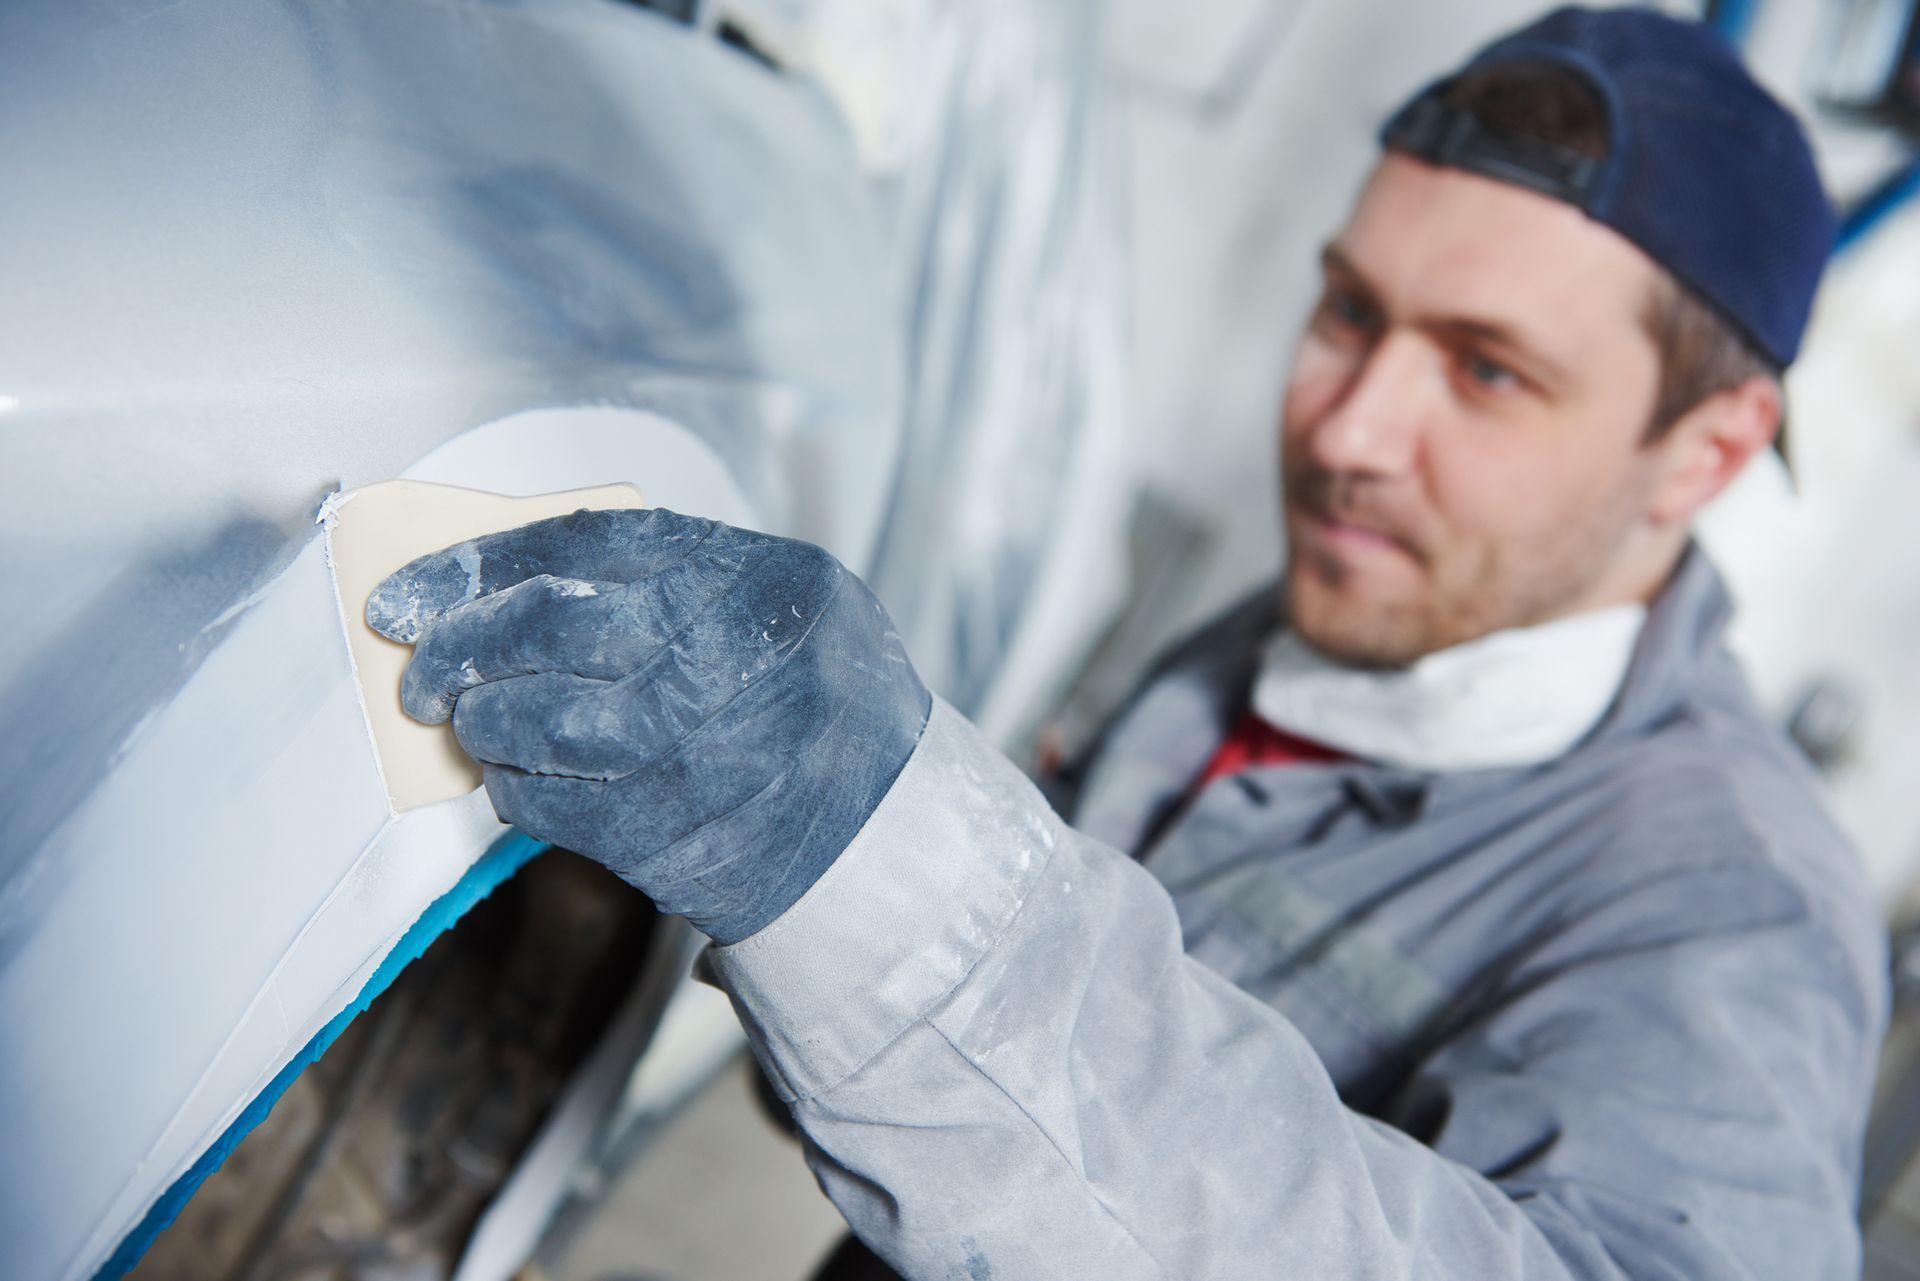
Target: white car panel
256 253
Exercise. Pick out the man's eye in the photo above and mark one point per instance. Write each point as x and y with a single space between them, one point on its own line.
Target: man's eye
1489 373
1346 310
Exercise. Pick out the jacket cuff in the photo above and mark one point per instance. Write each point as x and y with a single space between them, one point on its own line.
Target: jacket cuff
924 890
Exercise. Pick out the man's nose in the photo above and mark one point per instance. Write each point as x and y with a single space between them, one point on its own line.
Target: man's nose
1376 425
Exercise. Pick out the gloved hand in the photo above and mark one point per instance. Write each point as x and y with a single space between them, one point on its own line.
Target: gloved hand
710 712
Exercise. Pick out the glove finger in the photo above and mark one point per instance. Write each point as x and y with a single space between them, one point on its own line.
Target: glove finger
569 812
582 725
706 626
747 633
624 825
596 546
550 723
542 624
794 613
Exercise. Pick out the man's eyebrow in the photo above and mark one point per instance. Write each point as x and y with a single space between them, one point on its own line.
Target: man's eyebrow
1494 334
1336 262
1471 328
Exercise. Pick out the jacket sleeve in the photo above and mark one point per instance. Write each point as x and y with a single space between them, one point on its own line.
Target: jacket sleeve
1006 1066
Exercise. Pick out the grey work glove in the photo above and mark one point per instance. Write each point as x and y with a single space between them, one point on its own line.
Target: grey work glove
710 712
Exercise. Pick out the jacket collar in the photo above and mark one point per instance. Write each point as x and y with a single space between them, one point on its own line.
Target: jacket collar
1681 646
1144 764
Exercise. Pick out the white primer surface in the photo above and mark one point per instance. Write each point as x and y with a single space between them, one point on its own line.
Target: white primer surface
204 853
259 783
362 229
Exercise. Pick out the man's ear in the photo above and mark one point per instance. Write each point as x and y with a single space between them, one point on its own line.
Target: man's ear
1710 444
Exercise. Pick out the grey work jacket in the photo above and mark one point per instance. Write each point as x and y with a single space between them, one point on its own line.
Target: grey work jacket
1615 1016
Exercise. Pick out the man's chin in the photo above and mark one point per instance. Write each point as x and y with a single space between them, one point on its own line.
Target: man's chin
1353 632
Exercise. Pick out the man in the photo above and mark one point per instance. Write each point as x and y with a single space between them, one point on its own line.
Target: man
1483 927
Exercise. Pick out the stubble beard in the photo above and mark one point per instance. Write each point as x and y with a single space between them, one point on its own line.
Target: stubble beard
1469 589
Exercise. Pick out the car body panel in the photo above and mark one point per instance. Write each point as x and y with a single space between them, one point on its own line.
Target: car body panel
256 253
277 250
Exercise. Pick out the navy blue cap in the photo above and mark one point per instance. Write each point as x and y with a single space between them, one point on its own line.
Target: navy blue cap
1706 172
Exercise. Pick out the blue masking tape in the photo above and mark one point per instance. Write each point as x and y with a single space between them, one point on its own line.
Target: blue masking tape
494 868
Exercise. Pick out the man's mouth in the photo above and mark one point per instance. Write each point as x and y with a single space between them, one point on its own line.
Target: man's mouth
1336 518
1346 536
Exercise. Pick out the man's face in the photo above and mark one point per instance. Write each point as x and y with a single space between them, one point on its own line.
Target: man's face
1462 440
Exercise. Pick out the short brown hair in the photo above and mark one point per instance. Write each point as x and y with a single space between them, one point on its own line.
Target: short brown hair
1701 354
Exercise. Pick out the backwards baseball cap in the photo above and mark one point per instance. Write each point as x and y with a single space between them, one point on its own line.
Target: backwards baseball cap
1705 172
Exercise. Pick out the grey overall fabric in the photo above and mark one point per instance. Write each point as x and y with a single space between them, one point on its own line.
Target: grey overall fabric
1610 1017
